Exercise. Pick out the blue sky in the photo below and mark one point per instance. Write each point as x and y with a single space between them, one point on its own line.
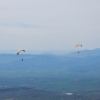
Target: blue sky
49 24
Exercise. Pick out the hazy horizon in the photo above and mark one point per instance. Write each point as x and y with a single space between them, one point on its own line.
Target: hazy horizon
44 51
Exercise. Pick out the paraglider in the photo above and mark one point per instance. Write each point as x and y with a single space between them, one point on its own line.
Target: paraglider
18 52
78 45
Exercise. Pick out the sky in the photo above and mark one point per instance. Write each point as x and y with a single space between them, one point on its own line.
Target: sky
49 24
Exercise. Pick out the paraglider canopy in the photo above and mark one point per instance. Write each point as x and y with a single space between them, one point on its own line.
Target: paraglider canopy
18 52
78 45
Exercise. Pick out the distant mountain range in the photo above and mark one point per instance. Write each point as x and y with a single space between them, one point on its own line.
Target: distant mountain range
84 53
83 62
71 53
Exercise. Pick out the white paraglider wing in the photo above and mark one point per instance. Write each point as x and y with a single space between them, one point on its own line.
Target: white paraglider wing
18 52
